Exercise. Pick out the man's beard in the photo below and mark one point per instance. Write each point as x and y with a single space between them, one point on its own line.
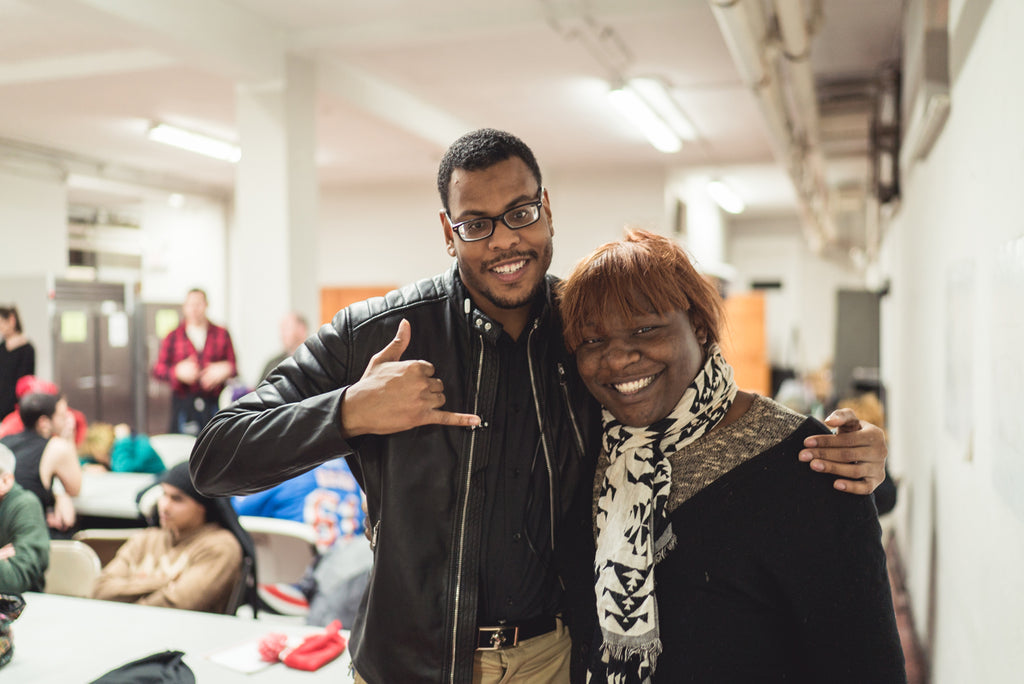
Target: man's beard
513 300
509 302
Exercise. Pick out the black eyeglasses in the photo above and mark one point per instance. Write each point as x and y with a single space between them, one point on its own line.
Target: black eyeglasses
515 218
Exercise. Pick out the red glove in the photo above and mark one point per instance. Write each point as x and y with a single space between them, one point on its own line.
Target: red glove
317 650
270 646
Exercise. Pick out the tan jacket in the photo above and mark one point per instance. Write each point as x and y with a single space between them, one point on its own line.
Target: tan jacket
196 573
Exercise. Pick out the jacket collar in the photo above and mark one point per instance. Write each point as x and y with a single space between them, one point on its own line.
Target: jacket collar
477 320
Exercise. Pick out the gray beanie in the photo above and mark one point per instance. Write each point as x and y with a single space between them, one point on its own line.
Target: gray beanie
179 477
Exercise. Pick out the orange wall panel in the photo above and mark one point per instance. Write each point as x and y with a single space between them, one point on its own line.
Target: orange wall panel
744 342
333 299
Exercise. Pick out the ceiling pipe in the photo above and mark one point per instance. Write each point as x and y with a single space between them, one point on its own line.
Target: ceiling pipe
767 62
795 37
796 51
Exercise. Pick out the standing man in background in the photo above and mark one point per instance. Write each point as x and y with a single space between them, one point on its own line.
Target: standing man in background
197 359
294 330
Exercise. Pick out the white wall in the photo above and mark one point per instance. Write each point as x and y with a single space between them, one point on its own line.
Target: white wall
184 247
801 316
960 520
33 220
379 235
34 236
593 207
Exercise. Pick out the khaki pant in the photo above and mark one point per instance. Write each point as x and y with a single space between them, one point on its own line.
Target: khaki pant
543 659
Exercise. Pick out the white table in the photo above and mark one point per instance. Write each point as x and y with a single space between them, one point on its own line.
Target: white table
65 640
111 495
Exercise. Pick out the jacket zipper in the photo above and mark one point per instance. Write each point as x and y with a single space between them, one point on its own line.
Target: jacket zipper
375 536
462 522
543 438
572 414
563 383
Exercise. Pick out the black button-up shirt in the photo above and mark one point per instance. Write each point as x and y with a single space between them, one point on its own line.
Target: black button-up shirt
517 580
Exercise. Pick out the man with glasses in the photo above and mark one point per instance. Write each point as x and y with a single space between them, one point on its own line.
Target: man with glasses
479 515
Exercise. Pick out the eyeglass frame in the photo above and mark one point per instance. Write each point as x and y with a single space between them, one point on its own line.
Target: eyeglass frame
494 219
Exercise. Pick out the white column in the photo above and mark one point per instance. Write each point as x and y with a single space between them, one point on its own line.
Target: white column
705 228
272 244
33 219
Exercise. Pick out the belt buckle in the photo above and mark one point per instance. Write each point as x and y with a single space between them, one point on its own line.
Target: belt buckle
498 639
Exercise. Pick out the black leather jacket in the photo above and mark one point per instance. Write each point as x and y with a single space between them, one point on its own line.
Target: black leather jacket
424 486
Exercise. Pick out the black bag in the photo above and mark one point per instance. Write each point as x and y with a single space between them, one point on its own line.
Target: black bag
11 606
159 668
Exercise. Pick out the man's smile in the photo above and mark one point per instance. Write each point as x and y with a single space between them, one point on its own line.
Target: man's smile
510 267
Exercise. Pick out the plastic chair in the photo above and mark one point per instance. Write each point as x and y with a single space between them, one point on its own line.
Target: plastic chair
105 541
172 448
284 548
73 568
244 592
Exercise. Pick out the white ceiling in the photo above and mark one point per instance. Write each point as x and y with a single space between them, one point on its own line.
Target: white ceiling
86 78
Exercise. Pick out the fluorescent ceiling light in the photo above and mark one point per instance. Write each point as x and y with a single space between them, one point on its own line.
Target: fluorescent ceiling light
195 142
640 114
656 94
725 197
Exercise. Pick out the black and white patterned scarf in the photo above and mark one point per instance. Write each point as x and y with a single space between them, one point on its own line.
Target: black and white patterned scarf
633 531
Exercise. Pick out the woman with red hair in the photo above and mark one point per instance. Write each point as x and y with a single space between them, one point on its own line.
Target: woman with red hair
720 557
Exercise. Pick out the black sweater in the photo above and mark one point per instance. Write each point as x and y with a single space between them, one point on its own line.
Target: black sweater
776 577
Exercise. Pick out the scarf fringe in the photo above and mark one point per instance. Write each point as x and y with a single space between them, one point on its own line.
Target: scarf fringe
670 545
623 652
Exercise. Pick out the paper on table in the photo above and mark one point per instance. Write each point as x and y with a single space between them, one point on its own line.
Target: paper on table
245 657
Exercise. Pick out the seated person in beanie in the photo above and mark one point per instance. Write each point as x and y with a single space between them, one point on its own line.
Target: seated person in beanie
24 538
193 560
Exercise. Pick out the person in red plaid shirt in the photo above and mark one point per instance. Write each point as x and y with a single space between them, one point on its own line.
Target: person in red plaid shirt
197 359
